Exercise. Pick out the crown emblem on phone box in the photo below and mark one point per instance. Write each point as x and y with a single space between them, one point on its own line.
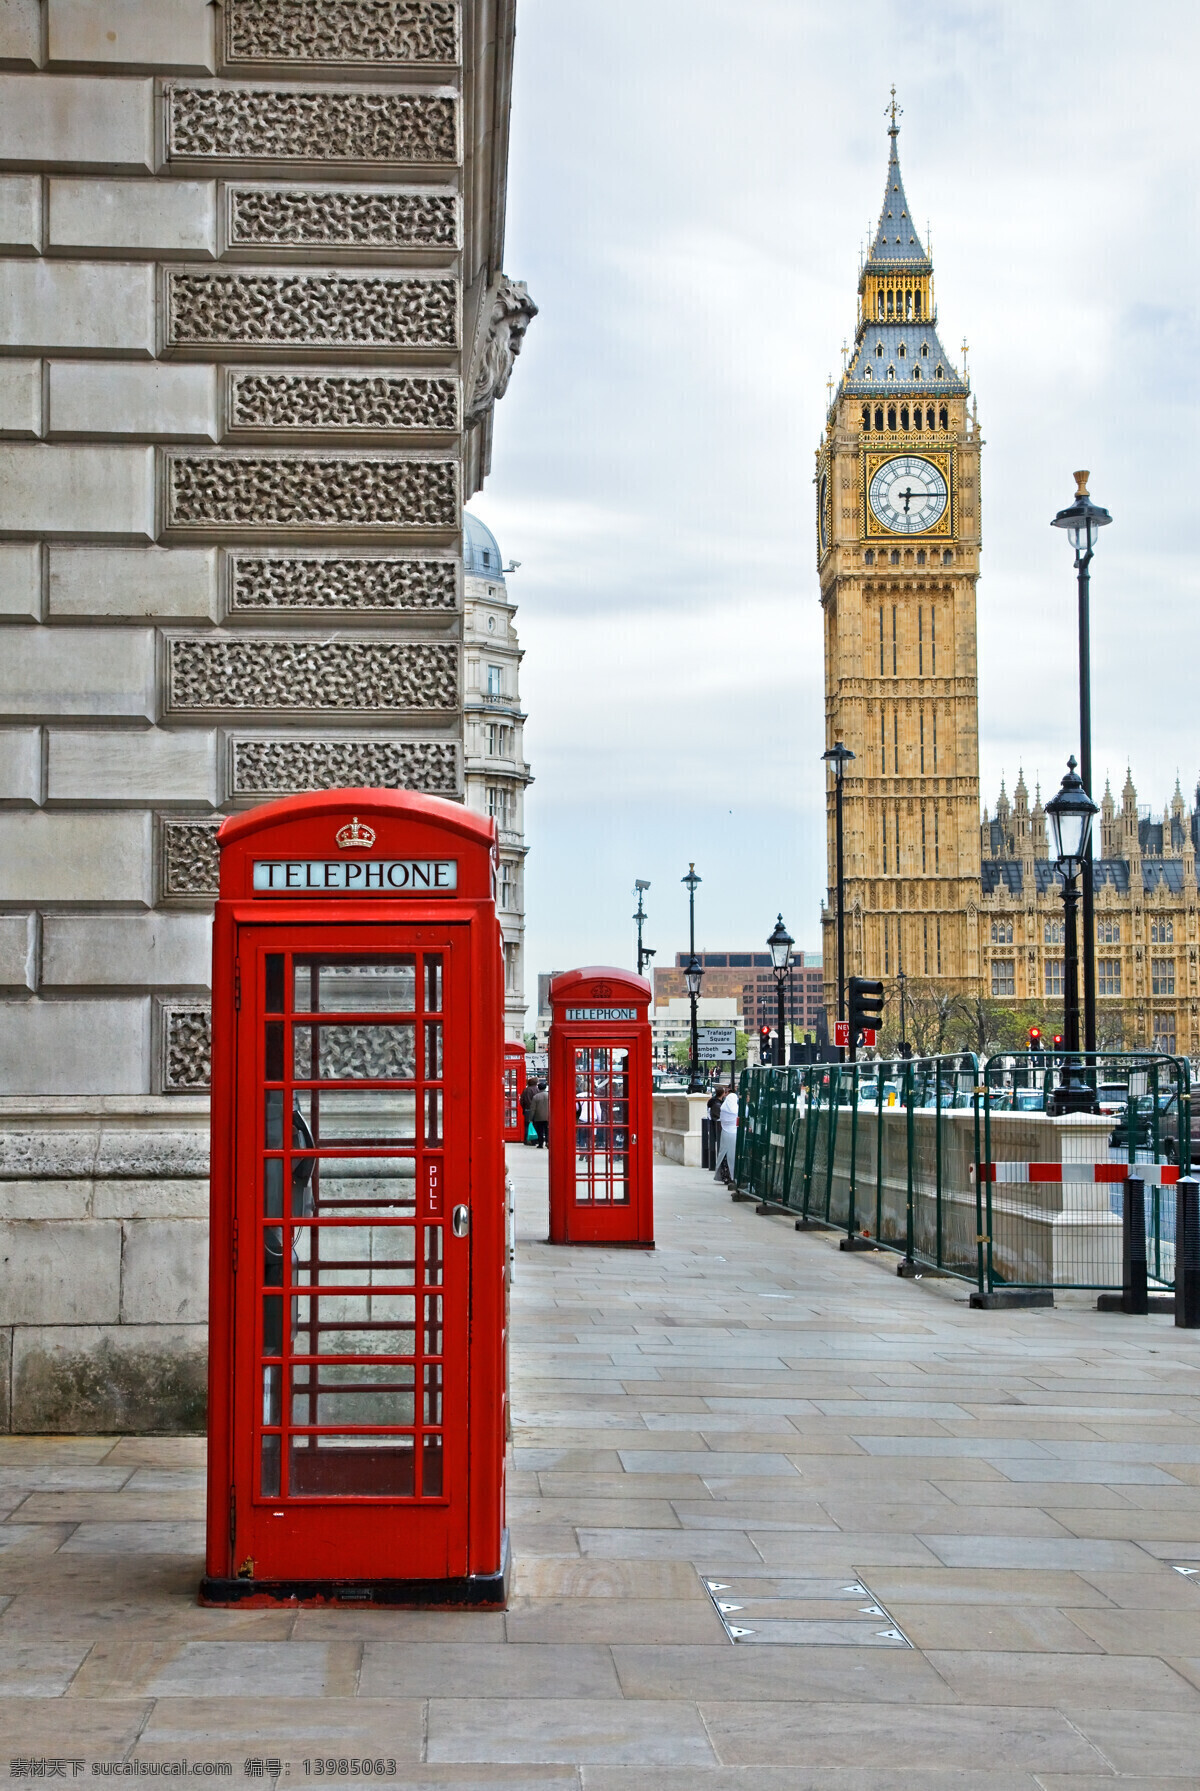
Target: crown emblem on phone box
355 833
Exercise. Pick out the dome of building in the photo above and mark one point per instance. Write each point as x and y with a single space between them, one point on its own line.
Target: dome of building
481 551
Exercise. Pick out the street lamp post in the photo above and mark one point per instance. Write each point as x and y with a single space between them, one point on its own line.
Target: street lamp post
780 946
839 756
692 975
1083 521
644 951
1071 812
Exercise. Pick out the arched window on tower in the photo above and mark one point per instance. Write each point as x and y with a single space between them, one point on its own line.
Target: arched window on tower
895 556
947 557
917 304
866 416
868 371
869 557
879 416
904 416
920 556
891 372
916 373
879 304
924 351
891 302
879 350
939 371
908 304
902 351
944 418
891 416
930 420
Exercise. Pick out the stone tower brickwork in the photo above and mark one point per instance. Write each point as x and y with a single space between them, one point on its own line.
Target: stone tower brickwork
898 542
253 322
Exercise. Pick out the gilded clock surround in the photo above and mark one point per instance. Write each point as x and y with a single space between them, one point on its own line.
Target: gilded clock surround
874 459
899 625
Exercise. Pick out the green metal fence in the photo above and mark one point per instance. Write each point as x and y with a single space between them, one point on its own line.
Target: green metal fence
962 1169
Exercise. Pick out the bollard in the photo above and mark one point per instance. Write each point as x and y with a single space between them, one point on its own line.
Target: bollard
1187 1252
708 1157
1133 1248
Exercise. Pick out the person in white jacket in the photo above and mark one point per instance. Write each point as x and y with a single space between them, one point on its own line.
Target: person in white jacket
729 1124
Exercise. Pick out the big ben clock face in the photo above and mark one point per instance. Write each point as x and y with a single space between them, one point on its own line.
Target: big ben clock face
908 495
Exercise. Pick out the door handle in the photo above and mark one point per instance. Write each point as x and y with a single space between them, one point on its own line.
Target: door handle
460 1222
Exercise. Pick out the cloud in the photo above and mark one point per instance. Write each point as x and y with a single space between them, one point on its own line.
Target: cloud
690 183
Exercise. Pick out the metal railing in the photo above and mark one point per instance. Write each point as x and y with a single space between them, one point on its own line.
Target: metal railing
962 1169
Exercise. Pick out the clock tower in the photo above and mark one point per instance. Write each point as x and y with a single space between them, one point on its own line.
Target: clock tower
898 540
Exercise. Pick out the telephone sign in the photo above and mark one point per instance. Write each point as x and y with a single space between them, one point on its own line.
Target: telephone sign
357 1302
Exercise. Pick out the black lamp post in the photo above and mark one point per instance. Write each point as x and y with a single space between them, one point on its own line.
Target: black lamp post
839 757
692 974
1071 812
780 946
644 951
1083 521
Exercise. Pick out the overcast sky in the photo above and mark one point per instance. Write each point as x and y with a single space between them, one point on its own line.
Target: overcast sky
690 184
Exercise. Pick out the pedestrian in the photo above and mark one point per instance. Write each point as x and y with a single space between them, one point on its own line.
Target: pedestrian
527 1094
729 1125
539 1113
714 1122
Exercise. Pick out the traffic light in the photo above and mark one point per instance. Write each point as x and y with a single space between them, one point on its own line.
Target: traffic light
764 1044
1058 1041
1035 1044
866 1007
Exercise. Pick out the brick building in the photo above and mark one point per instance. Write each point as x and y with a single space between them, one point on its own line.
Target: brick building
748 977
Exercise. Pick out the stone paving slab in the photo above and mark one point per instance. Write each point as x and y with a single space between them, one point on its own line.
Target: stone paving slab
744 1404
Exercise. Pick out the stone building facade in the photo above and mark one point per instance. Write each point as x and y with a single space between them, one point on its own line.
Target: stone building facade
898 545
494 769
253 323
1147 943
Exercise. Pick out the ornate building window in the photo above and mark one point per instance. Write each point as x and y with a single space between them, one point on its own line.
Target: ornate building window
947 557
891 372
939 371
895 559
1002 932
902 351
1108 976
916 373
891 415
866 413
869 557
943 418
1164 1034
1162 932
924 351
1053 932
920 556
1004 976
1054 976
1108 931
495 680
879 416
1162 976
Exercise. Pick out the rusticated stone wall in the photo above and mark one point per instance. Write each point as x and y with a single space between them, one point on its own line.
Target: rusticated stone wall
253 320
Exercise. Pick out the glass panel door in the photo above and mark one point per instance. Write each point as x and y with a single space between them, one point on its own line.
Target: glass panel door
351 1331
601 1125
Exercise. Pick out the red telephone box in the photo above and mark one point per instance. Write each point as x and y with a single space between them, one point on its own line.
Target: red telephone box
601 1123
357 1301
514 1082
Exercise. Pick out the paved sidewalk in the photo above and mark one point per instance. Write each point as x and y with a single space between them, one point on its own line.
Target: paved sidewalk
951 1536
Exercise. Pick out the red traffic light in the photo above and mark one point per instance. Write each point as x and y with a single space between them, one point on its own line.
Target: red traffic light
1058 1038
1035 1035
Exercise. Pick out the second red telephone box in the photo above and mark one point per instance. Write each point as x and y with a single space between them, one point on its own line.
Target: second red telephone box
601 1120
357 1257
514 1082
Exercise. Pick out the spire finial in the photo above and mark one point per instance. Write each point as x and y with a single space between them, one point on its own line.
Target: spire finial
895 112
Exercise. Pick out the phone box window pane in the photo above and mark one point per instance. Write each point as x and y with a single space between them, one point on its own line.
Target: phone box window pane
433 983
273 1051
433 1050
353 1186
349 1053
433 1116
354 1255
269 1481
331 1466
348 1117
355 986
274 976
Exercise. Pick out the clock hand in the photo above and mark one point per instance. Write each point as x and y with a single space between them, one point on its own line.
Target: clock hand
907 495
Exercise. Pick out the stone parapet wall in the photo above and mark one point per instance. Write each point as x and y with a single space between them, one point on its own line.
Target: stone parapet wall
104 1247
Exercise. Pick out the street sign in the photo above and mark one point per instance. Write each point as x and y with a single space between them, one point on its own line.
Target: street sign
841 1032
716 1043
538 1061
868 1037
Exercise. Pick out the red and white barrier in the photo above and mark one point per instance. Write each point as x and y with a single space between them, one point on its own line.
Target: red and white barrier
1159 1174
